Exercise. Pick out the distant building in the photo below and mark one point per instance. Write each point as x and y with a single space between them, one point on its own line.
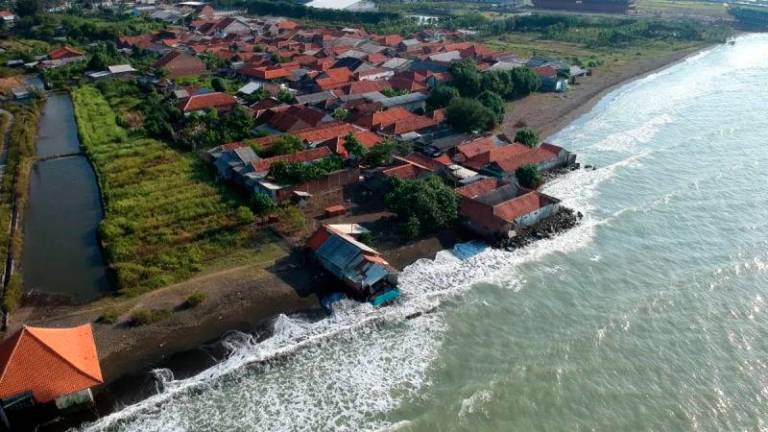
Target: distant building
50 365
8 18
221 102
62 56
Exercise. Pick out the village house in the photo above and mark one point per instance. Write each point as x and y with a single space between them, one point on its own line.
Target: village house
199 103
363 270
62 56
492 156
49 366
8 18
177 64
230 160
497 210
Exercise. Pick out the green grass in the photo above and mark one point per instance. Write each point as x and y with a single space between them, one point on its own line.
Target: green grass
165 219
683 8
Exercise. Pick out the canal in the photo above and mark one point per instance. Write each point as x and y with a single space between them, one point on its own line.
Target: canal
61 256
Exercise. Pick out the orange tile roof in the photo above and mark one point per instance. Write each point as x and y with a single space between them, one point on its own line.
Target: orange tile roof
497 154
216 100
476 147
336 144
479 188
49 362
65 52
520 206
366 86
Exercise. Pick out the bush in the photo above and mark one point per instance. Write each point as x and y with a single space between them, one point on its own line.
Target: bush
292 218
365 238
148 316
262 203
427 205
13 293
194 299
528 176
110 316
527 137
469 115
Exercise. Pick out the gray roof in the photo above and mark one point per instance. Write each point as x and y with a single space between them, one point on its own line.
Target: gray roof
446 56
353 53
404 99
315 97
395 63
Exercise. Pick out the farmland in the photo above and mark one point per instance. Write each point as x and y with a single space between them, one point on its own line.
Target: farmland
165 219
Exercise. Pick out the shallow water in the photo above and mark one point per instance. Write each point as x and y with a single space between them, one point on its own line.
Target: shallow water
651 315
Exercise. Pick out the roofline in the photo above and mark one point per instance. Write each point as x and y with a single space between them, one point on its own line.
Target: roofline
82 372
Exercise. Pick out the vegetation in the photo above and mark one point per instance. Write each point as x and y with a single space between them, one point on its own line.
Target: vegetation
494 103
392 92
262 204
353 146
426 205
441 96
14 188
194 299
528 176
164 221
469 115
285 144
527 137
292 218
149 316
291 173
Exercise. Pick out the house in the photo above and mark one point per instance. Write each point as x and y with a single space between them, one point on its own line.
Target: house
62 56
499 211
125 71
176 64
297 117
505 160
221 102
230 160
362 269
58 365
395 121
337 144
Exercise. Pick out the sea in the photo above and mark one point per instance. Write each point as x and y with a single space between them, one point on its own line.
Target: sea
651 315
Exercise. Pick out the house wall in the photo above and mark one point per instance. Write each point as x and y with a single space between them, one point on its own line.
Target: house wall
536 216
331 182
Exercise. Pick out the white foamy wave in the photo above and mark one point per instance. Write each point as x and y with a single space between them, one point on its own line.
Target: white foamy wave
347 371
627 141
474 404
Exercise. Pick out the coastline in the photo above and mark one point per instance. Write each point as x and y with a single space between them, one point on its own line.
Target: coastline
249 298
548 113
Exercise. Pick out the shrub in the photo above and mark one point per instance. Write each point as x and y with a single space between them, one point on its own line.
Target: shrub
148 316
110 316
527 137
528 176
262 203
427 205
292 218
365 238
13 293
194 299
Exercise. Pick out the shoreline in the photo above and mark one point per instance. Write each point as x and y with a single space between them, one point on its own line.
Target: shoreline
249 298
549 113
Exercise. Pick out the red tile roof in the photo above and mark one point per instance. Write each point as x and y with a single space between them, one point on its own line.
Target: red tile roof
310 155
403 83
479 188
296 117
521 206
406 171
476 147
65 52
532 156
336 144
366 86
546 71
218 101
49 362
497 154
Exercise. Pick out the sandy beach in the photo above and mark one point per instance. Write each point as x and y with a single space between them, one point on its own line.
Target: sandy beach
547 113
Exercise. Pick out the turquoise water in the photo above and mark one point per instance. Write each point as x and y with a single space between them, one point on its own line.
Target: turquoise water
650 316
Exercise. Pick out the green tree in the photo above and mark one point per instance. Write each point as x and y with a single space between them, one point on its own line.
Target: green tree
469 115
218 85
430 201
286 144
262 203
524 81
236 125
382 154
285 96
340 114
527 137
353 146
493 102
29 8
441 96
528 176
466 77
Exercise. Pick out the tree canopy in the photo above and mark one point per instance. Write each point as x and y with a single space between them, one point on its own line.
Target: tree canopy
441 96
468 115
528 176
493 102
427 205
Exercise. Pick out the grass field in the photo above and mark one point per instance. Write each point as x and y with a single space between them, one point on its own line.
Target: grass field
165 218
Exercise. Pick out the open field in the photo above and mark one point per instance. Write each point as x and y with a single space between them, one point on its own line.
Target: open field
165 218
